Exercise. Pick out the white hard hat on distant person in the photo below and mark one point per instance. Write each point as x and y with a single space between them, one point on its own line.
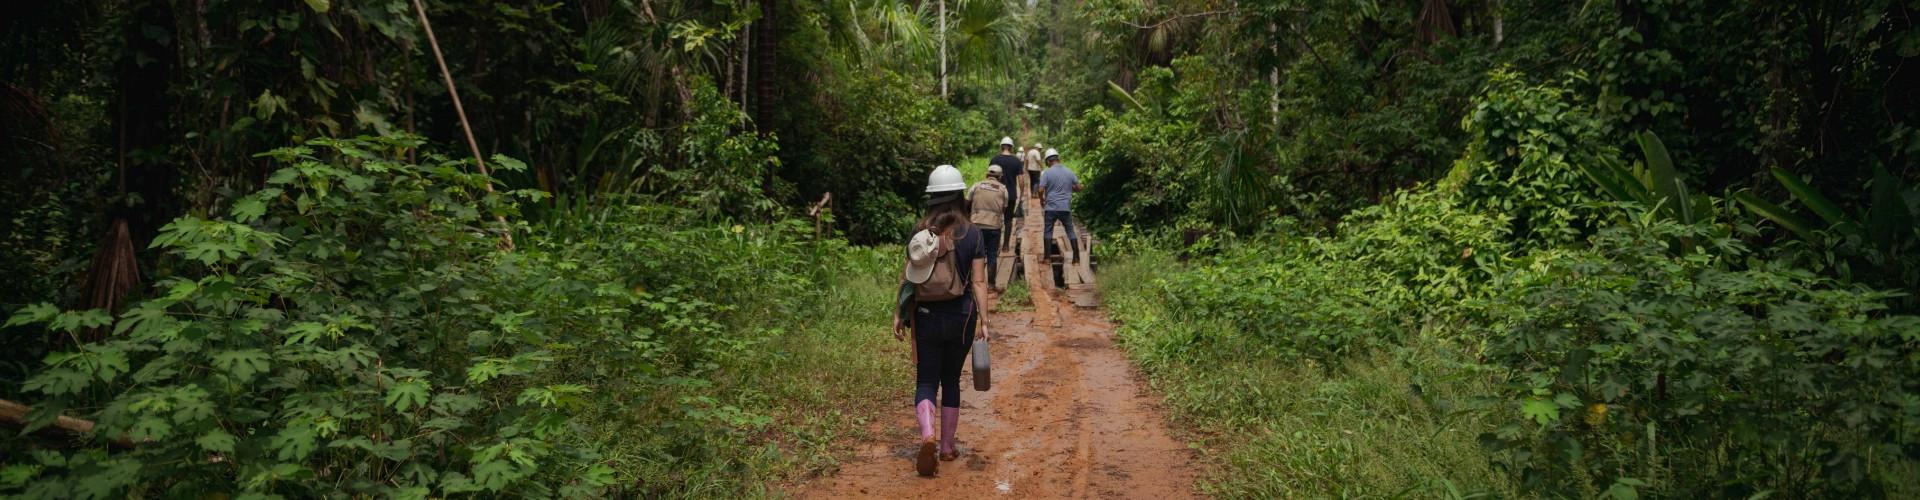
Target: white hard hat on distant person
993 170
1052 153
945 178
1006 141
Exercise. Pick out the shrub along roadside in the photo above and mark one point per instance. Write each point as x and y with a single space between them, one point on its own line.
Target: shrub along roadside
355 329
1377 422
1635 366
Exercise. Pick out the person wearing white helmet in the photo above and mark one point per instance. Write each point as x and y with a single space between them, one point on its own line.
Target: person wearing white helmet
946 310
1034 165
1057 185
1010 167
992 206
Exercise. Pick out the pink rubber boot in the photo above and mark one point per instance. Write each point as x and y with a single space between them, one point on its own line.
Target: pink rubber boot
949 423
926 463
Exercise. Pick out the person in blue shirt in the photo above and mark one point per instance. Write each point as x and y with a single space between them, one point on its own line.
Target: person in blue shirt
1057 185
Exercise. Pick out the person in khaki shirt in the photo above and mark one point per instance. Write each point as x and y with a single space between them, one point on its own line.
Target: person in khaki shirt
1034 165
992 206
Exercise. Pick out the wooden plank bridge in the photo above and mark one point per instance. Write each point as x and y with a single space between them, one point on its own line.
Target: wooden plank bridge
1052 279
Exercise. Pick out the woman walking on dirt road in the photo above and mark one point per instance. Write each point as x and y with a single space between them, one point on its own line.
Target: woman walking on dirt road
946 265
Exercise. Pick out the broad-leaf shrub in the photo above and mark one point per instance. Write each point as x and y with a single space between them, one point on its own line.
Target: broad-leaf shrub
869 140
1145 163
355 329
1436 252
1392 267
1525 147
1282 299
725 172
1631 366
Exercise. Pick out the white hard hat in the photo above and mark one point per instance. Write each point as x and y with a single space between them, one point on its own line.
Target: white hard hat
1006 141
1036 145
993 170
1052 153
945 178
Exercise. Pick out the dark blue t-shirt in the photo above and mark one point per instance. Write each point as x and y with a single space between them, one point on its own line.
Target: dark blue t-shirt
970 247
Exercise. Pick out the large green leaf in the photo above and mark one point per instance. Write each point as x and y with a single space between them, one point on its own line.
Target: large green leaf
1121 94
1810 197
1605 175
1775 213
1541 410
1664 180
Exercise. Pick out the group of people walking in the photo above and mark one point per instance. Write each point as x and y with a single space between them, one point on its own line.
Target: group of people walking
952 257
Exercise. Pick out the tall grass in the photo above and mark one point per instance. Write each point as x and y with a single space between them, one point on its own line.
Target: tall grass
838 369
1289 428
974 168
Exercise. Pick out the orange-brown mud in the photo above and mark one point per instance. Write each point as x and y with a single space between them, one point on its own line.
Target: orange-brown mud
1066 418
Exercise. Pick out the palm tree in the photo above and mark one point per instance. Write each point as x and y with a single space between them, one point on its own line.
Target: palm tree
974 38
988 35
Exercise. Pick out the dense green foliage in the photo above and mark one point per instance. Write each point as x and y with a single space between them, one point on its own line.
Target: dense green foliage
605 307
1312 108
1615 348
1283 417
1574 254
304 348
1446 247
1699 376
1627 366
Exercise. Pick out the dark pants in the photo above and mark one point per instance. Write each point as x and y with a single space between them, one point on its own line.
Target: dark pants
1066 219
943 340
993 252
1006 218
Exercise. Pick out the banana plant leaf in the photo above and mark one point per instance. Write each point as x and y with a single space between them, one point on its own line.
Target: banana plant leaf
1807 195
1775 213
1607 174
1122 95
1664 180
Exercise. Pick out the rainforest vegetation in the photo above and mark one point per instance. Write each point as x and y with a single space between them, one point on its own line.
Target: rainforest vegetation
644 248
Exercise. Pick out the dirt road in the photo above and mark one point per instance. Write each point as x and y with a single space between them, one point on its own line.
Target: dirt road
1066 418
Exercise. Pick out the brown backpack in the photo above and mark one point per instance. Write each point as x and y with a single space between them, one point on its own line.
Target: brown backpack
945 283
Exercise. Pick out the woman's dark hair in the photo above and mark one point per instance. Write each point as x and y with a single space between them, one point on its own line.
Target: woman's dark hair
945 216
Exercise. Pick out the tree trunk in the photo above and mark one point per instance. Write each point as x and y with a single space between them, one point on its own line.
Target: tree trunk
1499 24
746 59
943 49
1273 73
766 44
146 176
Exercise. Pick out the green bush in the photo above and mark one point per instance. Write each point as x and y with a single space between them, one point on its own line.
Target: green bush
356 329
871 143
1284 426
1523 159
1392 267
1145 163
1632 367
1639 365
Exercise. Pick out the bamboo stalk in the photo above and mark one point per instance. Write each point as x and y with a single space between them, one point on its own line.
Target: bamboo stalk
461 112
